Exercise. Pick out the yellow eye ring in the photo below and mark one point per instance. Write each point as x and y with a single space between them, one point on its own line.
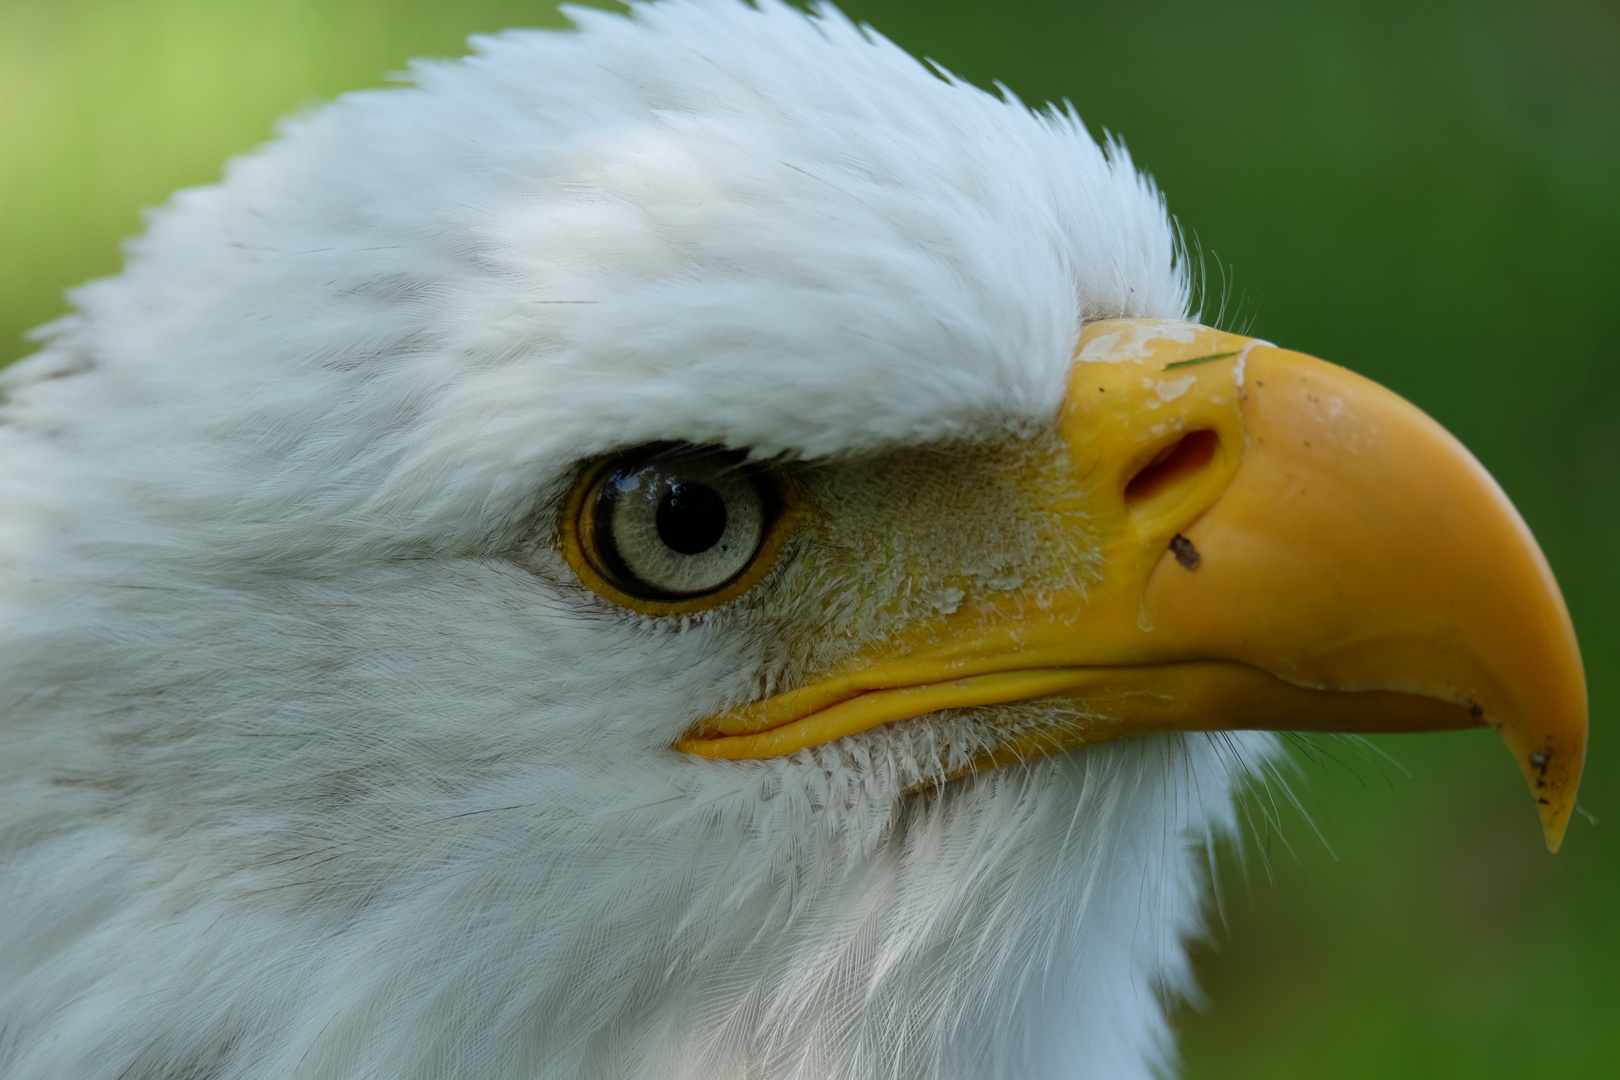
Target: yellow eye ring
737 516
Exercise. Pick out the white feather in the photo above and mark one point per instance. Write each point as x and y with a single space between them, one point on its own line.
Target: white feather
306 775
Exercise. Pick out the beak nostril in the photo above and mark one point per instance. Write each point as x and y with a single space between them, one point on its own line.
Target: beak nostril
1184 458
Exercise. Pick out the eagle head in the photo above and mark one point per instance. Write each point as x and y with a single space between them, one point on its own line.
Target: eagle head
696 547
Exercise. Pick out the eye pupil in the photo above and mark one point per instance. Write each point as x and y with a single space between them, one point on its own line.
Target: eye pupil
691 518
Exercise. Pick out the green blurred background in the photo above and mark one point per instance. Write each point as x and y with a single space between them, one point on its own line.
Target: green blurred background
1428 192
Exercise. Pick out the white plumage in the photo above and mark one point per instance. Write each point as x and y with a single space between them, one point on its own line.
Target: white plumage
318 762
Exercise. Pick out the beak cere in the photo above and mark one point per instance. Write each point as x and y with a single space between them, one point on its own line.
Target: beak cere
1284 546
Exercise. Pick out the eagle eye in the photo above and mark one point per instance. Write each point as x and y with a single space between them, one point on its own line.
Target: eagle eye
668 529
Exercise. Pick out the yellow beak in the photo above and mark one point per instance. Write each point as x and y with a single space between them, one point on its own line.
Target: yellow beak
1284 546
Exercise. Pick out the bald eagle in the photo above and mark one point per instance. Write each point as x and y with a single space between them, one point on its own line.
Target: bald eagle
694 547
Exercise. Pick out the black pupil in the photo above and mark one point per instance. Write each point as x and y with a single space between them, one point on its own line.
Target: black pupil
691 518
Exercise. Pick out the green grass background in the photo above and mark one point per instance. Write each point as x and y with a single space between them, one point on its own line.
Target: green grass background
1428 192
